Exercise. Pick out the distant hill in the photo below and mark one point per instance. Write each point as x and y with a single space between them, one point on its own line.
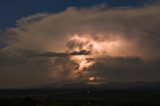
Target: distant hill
112 85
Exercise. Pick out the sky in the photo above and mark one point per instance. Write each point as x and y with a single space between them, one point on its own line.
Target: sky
77 40
13 10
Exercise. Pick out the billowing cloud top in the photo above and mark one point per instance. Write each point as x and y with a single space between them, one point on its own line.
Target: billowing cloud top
137 28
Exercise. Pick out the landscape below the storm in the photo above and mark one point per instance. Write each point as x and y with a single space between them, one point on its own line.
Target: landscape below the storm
111 94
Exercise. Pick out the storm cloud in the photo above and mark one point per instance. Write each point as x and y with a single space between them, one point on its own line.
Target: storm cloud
44 32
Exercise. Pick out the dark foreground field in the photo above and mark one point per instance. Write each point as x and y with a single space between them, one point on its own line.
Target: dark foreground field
79 97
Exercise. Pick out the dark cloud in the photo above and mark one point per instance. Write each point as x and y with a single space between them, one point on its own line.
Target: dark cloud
23 71
54 54
127 69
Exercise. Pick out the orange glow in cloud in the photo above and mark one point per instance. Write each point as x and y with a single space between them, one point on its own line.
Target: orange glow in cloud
98 46
91 78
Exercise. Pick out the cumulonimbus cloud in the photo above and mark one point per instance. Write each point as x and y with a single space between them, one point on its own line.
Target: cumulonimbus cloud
51 31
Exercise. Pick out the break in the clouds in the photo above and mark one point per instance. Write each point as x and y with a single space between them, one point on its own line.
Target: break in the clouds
129 35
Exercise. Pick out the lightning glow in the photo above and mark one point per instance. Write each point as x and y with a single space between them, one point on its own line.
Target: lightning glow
98 46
